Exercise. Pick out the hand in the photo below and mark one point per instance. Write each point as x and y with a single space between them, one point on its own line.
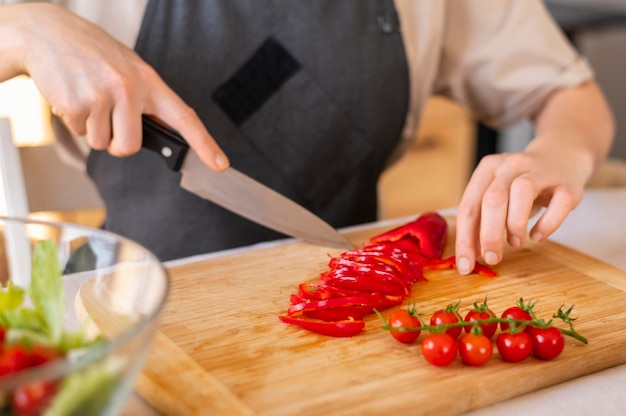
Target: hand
97 86
505 191
575 130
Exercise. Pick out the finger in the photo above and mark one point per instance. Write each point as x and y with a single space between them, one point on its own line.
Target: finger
99 129
523 193
171 109
494 212
562 203
497 202
74 120
127 130
468 215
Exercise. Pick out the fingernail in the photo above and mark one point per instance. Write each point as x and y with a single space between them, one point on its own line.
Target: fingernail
463 265
536 236
515 241
221 161
491 257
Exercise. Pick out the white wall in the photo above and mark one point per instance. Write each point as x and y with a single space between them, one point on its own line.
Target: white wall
606 50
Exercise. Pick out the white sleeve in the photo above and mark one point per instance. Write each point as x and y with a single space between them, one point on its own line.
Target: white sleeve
502 58
120 18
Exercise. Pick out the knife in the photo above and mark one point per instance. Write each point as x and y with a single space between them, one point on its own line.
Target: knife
237 192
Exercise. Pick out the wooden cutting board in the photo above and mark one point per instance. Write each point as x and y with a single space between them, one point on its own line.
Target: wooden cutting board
222 350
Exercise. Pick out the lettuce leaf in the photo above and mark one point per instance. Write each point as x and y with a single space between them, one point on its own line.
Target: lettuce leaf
11 296
46 289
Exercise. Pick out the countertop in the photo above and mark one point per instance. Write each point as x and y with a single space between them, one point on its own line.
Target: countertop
596 227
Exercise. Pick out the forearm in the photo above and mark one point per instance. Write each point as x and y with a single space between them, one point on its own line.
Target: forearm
575 120
12 43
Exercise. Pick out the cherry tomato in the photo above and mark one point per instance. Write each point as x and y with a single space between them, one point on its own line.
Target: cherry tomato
33 398
548 343
13 359
401 318
475 349
479 315
41 354
444 317
515 312
514 347
439 349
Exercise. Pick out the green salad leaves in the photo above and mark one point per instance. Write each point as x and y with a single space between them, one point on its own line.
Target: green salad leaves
34 317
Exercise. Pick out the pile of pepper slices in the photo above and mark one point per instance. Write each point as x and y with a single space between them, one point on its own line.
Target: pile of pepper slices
378 276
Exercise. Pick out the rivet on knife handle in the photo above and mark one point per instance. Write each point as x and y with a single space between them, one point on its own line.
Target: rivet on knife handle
166 143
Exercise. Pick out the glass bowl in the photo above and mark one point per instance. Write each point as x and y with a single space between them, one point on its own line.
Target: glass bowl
85 335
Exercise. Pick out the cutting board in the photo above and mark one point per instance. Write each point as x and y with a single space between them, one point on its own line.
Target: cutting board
221 348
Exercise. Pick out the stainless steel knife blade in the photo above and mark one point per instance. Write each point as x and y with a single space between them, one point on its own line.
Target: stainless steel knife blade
238 192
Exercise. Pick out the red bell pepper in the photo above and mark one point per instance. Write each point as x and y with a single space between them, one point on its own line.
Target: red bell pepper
377 276
328 291
346 328
408 270
363 282
359 304
430 229
343 267
450 263
333 315
484 270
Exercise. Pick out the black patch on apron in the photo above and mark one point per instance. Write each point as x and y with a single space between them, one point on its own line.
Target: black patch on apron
256 81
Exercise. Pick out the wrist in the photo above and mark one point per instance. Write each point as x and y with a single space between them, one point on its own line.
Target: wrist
13 42
565 145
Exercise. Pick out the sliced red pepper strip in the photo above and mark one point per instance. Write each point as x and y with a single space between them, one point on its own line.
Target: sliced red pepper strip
430 229
333 315
450 263
315 291
341 302
363 283
441 264
484 270
371 267
293 299
405 246
341 267
407 271
347 328
339 292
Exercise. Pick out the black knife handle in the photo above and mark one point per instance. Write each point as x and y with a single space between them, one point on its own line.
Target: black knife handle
165 142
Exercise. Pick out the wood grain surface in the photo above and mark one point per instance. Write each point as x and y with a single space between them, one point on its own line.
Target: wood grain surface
222 350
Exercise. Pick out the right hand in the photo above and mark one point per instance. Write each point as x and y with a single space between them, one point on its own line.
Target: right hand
97 86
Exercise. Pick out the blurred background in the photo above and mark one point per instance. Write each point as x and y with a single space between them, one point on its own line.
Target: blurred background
35 179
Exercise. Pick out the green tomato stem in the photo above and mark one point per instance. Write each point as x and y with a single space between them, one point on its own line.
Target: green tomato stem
540 323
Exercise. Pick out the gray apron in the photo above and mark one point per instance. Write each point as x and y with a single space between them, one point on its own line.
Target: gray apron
308 97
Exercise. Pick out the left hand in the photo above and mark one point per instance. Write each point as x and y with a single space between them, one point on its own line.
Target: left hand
507 189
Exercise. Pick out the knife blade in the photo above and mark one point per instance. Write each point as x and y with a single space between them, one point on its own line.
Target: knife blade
238 192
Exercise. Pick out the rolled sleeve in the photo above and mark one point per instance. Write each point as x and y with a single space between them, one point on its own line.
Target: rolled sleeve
503 58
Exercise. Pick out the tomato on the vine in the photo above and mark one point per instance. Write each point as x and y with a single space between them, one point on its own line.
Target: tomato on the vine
480 313
514 347
402 318
439 349
475 349
548 343
514 312
448 316
521 312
